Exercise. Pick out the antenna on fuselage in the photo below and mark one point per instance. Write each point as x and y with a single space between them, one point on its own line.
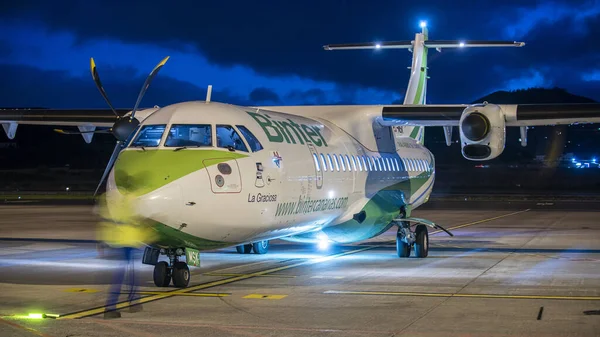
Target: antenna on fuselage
208 93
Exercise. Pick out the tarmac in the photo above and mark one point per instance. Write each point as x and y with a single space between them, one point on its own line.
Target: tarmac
510 270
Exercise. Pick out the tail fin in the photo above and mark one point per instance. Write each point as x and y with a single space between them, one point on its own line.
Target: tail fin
416 93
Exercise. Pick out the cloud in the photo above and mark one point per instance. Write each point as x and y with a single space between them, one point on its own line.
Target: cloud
593 76
277 49
531 79
27 86
60 51
530 18
263 95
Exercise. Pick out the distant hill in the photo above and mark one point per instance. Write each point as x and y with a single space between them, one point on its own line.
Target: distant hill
534 96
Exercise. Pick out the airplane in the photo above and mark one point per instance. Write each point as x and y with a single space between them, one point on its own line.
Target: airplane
210 175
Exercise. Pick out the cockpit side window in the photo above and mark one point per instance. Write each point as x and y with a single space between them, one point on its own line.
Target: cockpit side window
227 137
149 136
253 142
189 135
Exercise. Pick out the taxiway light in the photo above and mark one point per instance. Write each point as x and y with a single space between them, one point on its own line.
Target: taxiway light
378 46
461 44
423 24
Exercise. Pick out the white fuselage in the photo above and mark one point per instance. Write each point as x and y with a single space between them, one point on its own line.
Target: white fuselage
310 175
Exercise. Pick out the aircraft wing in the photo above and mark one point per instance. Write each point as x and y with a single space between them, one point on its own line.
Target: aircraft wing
87 120
514 114
60 117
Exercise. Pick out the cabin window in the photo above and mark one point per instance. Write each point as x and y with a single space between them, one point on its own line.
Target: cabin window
342 164
317 166
253 142
189 135
353 162
228 138
323 162
335 160
330 162
149 136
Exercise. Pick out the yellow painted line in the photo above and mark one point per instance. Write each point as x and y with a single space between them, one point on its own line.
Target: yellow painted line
417 294
81 290
240 274
167 294
183 294
482 221
265 297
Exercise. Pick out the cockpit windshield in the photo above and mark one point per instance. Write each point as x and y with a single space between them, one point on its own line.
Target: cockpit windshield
189 135
149 136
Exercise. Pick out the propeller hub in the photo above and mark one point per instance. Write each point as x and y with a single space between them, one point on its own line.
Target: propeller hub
123 128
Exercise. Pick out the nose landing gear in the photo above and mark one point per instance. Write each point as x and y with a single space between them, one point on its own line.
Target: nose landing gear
175 270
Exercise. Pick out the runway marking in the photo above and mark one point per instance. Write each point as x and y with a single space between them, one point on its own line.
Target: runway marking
265 297
418 294
328 277
241 274
21 327
167 294
80 290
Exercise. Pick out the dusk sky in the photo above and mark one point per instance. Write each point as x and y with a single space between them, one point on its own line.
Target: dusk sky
270 52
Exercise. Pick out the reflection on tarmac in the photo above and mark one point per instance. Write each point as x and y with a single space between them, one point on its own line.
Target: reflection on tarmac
492 272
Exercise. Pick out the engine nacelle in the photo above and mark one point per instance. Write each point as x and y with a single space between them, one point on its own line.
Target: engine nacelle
482 129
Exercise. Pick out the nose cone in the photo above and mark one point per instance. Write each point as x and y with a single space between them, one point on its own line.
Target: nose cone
151 178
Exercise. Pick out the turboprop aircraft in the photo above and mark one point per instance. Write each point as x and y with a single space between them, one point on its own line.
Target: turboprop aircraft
209 175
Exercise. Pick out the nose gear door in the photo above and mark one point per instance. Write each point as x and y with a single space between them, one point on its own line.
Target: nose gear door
224 175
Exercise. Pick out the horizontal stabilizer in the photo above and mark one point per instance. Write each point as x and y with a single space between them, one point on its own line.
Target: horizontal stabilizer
428 43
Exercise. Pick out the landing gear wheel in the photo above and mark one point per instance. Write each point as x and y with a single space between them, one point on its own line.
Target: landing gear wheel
261 247
181 274
244 249
161 276
402 248
421 241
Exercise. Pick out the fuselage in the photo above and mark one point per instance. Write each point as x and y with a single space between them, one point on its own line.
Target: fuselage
210 175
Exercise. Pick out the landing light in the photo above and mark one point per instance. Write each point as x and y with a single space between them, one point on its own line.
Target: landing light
323 241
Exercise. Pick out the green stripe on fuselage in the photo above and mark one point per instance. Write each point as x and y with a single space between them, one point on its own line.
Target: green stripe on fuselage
140 172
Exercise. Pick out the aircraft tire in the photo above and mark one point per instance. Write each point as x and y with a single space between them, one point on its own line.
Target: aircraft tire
421 242
161 274
402 248
261 247
181 274
244 249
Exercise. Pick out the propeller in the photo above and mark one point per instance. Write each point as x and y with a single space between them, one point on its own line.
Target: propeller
125 125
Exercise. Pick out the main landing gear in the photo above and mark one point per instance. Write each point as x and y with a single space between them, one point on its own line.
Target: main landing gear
260 247
406 240
175 270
